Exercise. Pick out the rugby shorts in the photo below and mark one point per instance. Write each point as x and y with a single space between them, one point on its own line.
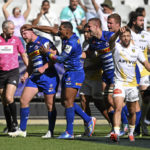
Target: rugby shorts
92 88
73 79
45 83
131 94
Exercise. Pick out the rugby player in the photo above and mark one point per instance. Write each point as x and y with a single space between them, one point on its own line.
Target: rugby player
41 76
91 87
125 55
142 40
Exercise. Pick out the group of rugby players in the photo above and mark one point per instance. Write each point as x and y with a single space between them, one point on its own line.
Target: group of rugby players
114 74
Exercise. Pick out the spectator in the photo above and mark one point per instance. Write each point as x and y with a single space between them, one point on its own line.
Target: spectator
103 12
48 18
76 15
89 9
17 18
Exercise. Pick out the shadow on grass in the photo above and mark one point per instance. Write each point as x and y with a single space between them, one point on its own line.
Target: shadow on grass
139 142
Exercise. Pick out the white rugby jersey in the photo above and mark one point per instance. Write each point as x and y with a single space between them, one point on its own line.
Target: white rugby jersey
142 40
125 60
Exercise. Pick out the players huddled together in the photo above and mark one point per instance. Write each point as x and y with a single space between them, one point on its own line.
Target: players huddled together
106 63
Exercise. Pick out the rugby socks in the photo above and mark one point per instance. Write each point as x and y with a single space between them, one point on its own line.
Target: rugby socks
110 115
70 112
117 130
24 115
137 123
13 111
125 109
81 113
131 129
124 119
8 117
52 119
144 109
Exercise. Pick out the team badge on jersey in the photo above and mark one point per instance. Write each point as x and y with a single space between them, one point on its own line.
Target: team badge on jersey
142 36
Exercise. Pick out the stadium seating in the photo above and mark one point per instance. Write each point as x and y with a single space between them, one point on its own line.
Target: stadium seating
134 4
123 11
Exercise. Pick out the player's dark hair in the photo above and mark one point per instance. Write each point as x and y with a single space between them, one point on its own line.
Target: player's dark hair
45 1
67 25
140 10
96 21
133 17
14 9
116 17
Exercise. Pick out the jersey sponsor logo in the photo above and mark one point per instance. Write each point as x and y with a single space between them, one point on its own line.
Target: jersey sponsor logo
103 51
6 49
68 49
117 91
127 61
35 53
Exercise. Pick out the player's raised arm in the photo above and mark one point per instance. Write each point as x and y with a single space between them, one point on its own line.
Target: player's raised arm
47 29
114 37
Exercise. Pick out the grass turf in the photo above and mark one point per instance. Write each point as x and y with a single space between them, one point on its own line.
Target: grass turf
33 141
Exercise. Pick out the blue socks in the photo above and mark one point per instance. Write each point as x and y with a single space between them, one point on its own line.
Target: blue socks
70 119
52 119
123 116
137 123
24 116
81 113
125 109
110 115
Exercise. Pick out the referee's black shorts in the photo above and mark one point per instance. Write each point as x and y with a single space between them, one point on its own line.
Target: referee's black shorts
9 77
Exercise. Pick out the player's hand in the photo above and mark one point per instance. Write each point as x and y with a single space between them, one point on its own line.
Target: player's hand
44 50
55 29
42 11
41 69
123 29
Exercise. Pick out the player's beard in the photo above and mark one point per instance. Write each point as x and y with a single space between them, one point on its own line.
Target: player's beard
126 43
139 28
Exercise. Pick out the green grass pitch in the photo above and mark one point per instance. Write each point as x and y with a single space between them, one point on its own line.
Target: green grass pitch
33 141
